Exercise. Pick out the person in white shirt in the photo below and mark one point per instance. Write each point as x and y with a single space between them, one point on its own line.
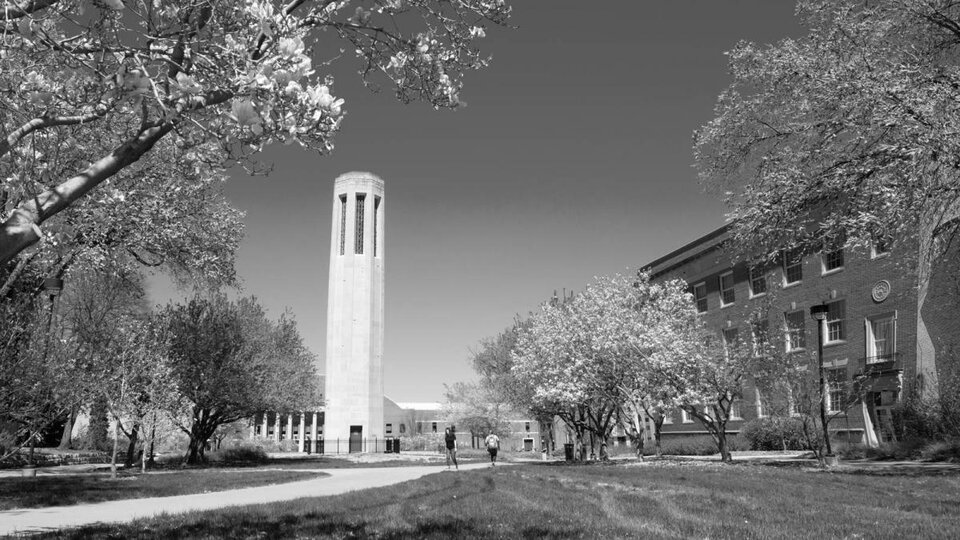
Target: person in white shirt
493 445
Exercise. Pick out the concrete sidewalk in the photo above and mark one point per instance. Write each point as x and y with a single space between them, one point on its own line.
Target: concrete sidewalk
59 470
28 520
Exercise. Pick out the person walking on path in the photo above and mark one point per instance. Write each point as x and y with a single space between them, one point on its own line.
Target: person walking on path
493 445
450 438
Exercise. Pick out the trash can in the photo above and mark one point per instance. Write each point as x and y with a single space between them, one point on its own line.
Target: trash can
389 449
396 445
568 451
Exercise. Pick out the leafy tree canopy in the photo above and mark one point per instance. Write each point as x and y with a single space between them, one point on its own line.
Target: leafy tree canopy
848 133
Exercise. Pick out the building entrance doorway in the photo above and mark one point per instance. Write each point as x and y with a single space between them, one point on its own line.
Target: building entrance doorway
882 404
356 439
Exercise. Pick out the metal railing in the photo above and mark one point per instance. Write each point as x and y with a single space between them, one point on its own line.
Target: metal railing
881 363
348 446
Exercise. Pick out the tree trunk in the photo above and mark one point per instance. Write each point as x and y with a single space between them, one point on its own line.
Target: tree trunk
66 439
194 451
200 432
153 440
657 431
721 437
113 455
132 447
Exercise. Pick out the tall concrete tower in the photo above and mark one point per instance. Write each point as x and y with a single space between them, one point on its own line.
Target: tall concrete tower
354 388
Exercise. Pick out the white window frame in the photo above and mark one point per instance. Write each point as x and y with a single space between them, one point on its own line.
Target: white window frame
667 418
788 334
874 254
828 393
824 271
735 412
732 289
701 286
752 277
786 269
685 417
761 413
842 320
870 341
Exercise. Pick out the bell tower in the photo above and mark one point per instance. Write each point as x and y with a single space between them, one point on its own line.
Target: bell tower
354 361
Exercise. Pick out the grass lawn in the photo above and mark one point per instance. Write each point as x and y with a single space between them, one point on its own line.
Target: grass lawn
656 500
96 487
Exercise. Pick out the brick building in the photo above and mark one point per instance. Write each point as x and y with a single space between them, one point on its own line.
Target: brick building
872 331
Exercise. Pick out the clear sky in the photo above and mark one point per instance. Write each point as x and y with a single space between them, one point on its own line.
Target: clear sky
572 159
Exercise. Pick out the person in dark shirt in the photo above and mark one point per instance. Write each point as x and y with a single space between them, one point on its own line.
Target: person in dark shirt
450 438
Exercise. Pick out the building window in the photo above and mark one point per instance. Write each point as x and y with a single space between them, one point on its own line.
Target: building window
403 428
667 418
836 389
761 332
376 220
832 261
343 222
880 247
881 338
758 282
707 412
389 429
836 327
700 295
727 295
795 330
792 267
358 245
258 429
527 427
730 338
735 411
433 427
761 413
685 417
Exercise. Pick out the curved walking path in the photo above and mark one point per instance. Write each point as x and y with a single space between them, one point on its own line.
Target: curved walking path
28 520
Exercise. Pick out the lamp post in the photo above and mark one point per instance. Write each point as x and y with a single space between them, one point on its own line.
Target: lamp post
52 287
819 313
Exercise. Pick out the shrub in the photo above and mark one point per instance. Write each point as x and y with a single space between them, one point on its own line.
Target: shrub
268 445
777 433
698 445
883 451
420 441
238 454
927 417
948 450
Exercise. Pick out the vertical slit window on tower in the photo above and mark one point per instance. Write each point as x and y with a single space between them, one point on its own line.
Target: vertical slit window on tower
343 222
358 246
376 220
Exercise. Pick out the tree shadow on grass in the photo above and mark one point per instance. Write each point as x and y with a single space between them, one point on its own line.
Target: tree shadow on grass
310 525
899 469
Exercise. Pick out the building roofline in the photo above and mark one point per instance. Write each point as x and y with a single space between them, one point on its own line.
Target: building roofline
686 249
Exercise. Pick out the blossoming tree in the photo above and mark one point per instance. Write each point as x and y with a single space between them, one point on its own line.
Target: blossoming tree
101 84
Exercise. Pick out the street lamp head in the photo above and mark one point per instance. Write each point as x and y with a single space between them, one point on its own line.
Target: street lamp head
819 312
53 286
